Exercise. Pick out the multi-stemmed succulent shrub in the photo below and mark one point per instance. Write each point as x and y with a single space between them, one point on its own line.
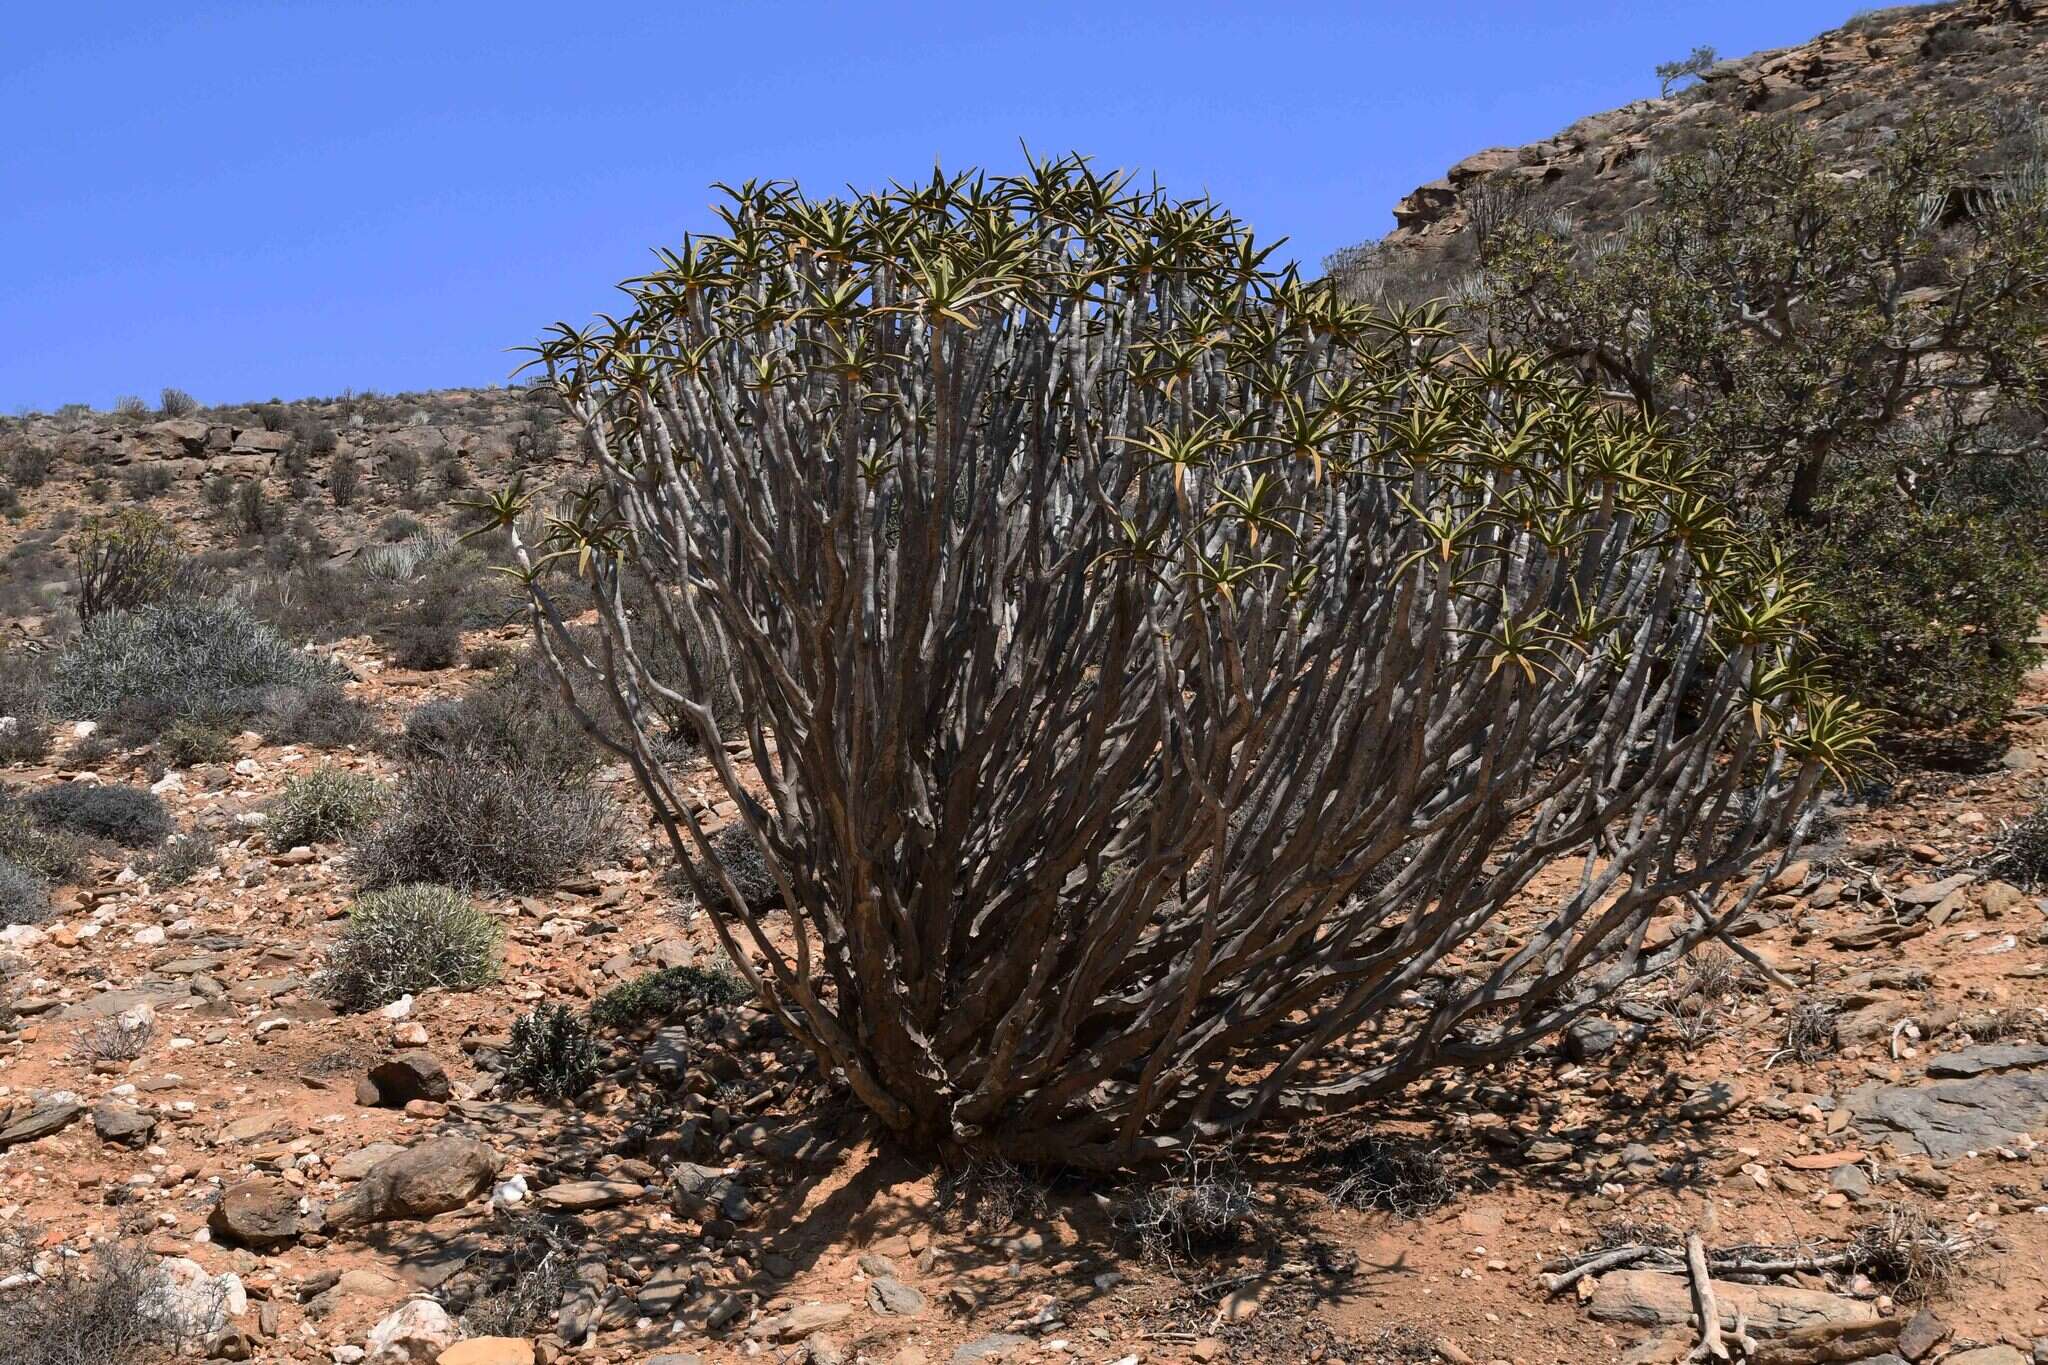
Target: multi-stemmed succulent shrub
1174 697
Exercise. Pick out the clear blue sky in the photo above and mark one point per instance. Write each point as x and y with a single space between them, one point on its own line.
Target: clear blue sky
286 198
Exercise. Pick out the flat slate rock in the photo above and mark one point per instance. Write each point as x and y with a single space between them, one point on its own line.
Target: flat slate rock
109 1003
1001 1345
1946 1119
30 1122
579 1196
1991 1057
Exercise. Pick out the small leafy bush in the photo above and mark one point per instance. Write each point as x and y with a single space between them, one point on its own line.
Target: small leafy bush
740 855
24 696
661 995
484 827
1928 612
1400 1177
24 897
132 817
118 1306
322 716
408 939
179 658
325 804
53 855
426 647
193 741
185 857
551 1054
344 478
2021 854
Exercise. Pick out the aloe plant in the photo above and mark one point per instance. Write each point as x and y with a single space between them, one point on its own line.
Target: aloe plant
1158 670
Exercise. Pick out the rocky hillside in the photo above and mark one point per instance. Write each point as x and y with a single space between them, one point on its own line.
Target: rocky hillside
1847 88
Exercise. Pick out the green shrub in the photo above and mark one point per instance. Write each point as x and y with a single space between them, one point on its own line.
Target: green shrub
484 827
517 718
24 897
125 560
188 657
408 939
132 817
323 805
1928 613
551 1054
193 741
661 995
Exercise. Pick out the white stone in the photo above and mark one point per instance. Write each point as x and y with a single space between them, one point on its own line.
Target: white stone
187 1295
22 936
149 936
172 781
414 1335
84 728
399 1008
247 767
509 1193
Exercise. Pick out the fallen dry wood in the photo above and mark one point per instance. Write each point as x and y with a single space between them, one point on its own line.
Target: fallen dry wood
1606 1260
1647 1298
1832 1343
1710 1347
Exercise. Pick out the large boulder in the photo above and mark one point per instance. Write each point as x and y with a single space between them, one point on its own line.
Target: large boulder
433 1177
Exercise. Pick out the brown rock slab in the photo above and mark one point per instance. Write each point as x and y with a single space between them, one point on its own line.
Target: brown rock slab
28 1122
408 1077
433 1177
580 1196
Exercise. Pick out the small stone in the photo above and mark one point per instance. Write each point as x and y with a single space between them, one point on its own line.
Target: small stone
409 1034
891 1297
1921 1334
260 1213
1240 1305
1714 1100
122 1123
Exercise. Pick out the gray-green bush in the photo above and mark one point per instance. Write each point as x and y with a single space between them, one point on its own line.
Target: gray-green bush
194 656
408 939
484 827
323 805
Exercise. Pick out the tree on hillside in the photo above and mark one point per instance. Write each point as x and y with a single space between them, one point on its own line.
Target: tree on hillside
1159 676
1853 350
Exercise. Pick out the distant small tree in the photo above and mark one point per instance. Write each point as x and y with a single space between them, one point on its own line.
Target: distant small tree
128 405
177 403
125 560
1829 340
344 478
1689 67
